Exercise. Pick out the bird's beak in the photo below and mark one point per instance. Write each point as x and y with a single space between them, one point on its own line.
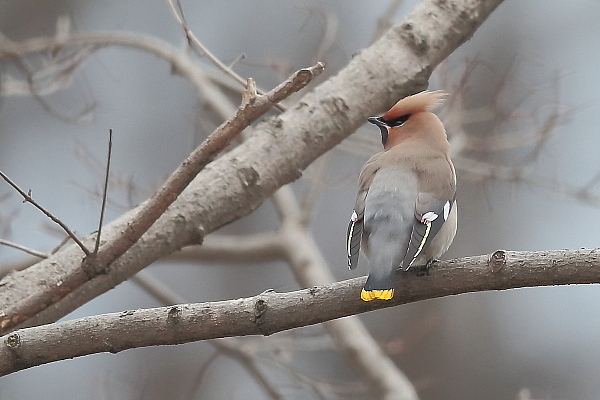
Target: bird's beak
382 127
376 121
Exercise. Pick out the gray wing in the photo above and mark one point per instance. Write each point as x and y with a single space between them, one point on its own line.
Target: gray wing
356 225
430 215
354 237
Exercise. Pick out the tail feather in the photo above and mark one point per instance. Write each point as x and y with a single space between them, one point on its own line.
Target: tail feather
378 287
368 295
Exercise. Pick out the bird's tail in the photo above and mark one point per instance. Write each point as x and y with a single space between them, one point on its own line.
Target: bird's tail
378 286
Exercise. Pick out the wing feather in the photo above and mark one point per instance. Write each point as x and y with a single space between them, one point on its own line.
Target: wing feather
430 215
355 231
356 225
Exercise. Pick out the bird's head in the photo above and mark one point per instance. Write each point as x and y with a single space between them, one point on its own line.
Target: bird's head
406 115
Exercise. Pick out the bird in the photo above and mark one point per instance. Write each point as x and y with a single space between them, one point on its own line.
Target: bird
405 212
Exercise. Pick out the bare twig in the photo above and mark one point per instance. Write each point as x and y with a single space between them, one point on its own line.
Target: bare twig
330 30
104 192
179 60
232 348
124 184
237 60
55 74
157 289
317 386
23 248
197 46
60 244
28 199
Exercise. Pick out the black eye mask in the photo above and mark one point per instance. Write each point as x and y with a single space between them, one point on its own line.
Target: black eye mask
384 125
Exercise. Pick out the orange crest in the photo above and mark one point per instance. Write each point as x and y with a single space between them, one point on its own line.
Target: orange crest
422 101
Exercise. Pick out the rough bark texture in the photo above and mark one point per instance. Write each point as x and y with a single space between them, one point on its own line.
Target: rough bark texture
398 64
272 312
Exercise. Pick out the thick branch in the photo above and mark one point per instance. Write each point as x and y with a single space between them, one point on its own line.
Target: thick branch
232 186
272 312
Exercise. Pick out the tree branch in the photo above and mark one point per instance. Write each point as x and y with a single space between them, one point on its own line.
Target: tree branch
271 312
253 106
232 186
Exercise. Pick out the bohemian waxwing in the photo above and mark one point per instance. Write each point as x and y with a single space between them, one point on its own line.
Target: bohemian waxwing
405 212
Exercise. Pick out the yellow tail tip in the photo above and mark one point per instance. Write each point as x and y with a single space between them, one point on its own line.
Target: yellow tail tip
368 295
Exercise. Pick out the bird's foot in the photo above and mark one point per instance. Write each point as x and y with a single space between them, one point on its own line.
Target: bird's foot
424 269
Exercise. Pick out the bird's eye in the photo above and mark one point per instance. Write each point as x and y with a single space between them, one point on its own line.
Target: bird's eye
398 121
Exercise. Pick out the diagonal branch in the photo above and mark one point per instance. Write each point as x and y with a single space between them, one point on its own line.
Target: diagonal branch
271 312
252 108
232 186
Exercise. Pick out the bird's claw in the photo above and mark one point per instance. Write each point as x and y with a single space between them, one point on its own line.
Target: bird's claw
424 269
